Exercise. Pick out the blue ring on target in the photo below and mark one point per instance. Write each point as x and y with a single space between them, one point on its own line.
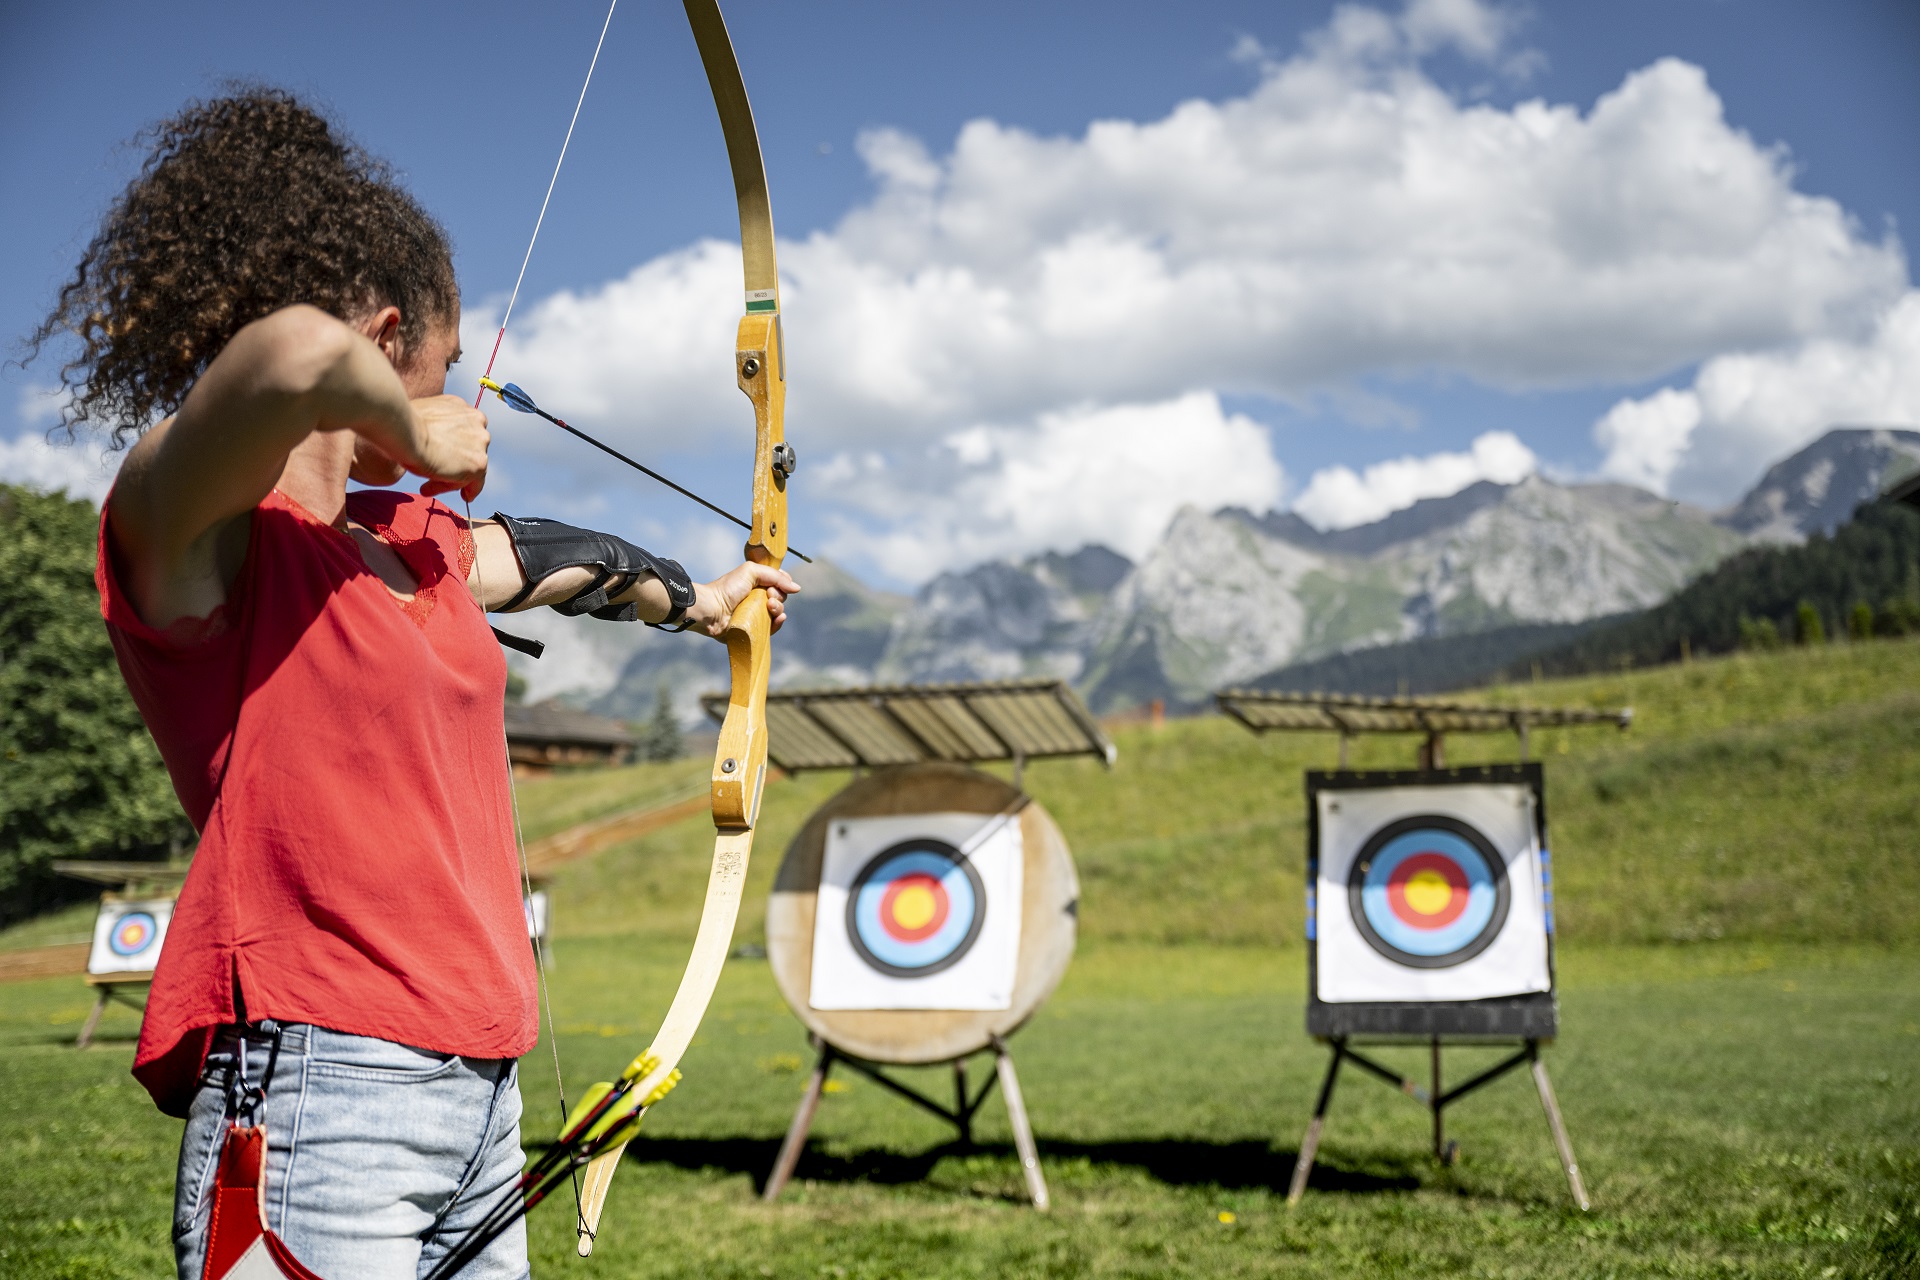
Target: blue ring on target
132 933
916 908
1429 891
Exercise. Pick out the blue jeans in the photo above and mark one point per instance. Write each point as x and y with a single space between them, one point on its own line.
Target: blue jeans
379 1156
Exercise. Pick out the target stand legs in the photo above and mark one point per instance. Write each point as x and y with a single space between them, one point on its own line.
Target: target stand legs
1562 1143
802 1121
110 990
1022 1131
1436 1100
960 1116
1310 1145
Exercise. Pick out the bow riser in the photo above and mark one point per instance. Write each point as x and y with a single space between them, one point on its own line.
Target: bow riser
760 367
740 759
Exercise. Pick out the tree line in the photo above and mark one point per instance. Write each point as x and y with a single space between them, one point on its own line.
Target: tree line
82 778
1862 581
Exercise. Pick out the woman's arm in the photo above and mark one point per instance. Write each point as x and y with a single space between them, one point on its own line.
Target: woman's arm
497 577
177 514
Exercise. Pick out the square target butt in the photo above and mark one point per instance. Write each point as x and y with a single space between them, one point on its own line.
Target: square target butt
1429 907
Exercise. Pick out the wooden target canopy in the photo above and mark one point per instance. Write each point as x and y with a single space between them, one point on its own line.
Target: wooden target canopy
1266 710
920 743
972 723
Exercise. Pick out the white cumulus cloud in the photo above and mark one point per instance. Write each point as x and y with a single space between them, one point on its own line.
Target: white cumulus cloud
1746 410
1345 219
1112 475
1339 497
83 468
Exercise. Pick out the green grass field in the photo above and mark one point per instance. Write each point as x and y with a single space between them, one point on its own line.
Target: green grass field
1739 902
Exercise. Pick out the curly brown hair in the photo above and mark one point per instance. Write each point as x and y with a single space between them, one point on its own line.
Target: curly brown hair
247 203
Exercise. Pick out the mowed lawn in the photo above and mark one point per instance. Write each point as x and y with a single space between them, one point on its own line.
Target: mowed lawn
1739 1063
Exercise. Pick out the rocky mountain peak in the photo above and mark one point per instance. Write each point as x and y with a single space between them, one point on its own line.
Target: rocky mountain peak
1228 596
1817 489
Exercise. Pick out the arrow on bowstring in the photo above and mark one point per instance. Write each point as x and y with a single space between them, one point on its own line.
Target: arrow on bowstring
521 402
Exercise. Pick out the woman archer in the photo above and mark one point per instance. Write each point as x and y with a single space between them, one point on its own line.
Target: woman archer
348 961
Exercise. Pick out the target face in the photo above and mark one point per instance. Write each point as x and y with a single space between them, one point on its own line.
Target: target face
131 933
916 908
1429 891
128 936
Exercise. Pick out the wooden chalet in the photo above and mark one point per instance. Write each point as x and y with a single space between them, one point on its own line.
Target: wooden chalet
547 735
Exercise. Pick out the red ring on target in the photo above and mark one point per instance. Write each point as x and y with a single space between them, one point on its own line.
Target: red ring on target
1420 911
891 907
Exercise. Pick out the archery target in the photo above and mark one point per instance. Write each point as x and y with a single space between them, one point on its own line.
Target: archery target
127 936
916 908
1429 893
918 912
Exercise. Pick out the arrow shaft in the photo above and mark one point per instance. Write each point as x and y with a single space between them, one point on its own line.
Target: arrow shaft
644 469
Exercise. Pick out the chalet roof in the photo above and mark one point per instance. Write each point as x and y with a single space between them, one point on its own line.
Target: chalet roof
967 723
552 721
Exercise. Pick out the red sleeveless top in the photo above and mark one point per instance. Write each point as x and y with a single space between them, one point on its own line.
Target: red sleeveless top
341 754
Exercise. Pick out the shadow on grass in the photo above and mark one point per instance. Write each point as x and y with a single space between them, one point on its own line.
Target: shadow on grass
1230 1165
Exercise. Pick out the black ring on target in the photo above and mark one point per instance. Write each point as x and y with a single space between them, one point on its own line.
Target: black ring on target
1490 879
918 852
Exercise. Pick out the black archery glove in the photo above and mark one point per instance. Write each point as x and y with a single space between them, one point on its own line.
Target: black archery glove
547 546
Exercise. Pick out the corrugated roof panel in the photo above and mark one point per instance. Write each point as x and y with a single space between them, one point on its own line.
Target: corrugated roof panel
797 741
1034 725
905 724
946 726
868 730
1261 709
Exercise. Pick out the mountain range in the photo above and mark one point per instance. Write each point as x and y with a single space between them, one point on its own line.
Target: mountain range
1233 597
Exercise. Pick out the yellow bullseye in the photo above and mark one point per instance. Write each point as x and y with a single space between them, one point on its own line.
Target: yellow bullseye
913 907
1428 892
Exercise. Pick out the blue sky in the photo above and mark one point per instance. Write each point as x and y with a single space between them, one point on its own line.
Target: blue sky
1045 330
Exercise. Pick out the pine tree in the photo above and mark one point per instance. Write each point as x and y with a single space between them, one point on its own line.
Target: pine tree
661 739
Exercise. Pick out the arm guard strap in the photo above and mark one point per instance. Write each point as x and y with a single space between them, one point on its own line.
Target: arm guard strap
547 546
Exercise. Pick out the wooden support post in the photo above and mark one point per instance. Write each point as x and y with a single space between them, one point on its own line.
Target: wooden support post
1343 748
1022 1131
1310 1145
802 1121
111 987
1559 1127
93 1019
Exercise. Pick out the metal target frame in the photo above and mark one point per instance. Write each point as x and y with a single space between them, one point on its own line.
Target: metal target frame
1530 1020
1534 1016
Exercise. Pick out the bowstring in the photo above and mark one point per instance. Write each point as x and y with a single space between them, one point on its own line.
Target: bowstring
506 747
547 199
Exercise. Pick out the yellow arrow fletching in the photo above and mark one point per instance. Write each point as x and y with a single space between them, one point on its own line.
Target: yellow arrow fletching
583 1108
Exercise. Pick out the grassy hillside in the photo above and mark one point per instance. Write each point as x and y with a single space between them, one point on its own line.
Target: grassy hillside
1757 796
1740 985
